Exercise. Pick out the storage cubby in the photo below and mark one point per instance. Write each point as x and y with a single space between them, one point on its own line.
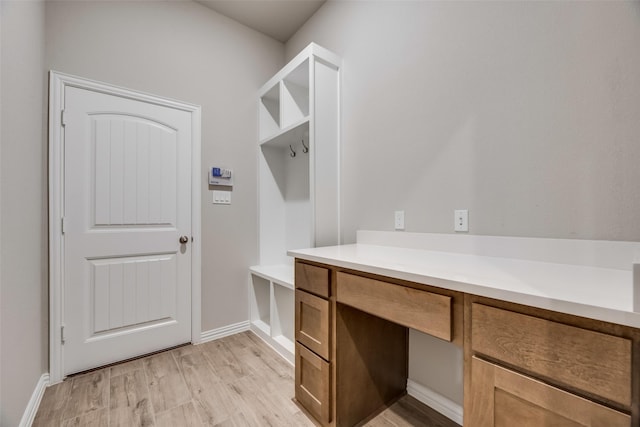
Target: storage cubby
282 317
261 304
295 95
272 305
298 170
270 112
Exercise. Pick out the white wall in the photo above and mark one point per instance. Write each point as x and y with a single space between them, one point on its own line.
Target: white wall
185 51
23 247
179 50
526 113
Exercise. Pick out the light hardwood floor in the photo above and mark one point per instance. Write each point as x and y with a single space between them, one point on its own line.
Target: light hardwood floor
233 381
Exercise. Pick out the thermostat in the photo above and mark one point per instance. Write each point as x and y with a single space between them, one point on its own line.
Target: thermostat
220 176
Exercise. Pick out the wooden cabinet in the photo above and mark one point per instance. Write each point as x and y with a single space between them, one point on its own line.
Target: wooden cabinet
356 328
313 383
312 323
313 341
505 398
532 367
582 359
424 311
523 366
312 279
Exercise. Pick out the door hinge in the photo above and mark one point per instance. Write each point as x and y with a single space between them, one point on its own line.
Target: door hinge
63 117
63 224
62 334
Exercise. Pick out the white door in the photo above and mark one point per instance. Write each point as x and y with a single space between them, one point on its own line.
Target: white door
127 204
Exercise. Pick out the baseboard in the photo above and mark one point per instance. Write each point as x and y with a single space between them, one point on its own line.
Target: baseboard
285 353
34 403
224 331
435 401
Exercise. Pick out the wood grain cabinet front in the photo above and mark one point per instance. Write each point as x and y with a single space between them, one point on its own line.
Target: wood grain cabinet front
312 279
571 357
504 398
313 384
424 311
312 323
523 366
313 340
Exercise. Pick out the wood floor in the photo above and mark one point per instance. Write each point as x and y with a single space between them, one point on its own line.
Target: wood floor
233 381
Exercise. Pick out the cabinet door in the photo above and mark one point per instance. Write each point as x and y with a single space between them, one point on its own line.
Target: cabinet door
312 323
504 398
597 363
312 383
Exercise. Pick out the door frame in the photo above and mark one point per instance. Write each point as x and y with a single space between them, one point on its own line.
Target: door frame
57 84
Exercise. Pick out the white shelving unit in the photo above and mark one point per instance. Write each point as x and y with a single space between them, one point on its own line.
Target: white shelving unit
298 194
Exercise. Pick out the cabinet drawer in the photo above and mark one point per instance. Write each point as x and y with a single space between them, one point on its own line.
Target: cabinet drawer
312 279
590 361
312 383
503 398
312 322
421 310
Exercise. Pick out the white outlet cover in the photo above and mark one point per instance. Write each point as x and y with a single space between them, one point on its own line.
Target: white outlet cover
399 220
461 220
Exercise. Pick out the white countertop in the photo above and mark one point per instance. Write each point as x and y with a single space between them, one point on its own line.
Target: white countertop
593 292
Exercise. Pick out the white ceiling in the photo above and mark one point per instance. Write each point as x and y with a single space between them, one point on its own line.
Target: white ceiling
279 19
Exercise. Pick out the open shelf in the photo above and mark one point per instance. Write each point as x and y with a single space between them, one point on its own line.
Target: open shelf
298 192
282 318
281 274
285 105
272 307
285 203
270 112
261 303
294 95
292 134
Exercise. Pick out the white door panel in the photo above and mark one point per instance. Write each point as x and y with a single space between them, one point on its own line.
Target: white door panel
135 182
127 201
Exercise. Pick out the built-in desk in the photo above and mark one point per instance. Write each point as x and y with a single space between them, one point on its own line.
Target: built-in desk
544 343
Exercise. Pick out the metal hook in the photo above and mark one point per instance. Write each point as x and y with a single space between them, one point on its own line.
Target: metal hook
305 149
293 153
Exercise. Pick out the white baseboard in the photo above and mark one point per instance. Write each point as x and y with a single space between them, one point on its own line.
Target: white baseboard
286 352
224 331
34 403
435 401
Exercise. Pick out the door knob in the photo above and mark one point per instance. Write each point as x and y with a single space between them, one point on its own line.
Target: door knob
184 239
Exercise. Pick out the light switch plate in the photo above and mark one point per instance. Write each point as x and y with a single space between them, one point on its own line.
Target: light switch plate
221 197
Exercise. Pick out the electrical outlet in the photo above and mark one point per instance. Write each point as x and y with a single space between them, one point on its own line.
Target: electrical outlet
461 220
399 220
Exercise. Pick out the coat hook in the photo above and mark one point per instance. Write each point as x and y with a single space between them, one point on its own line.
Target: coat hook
305 149
293 153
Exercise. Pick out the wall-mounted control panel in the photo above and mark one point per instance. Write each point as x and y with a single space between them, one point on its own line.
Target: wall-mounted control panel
220 176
